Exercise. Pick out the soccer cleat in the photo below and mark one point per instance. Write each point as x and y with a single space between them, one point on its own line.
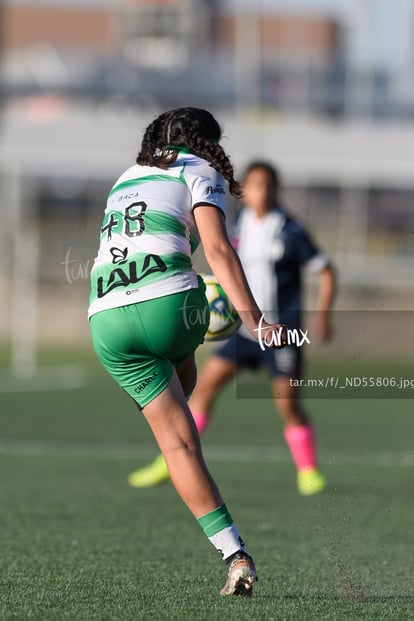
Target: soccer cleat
155 473
310 481
242 574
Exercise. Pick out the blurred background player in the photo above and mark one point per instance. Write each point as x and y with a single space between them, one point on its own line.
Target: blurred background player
274 249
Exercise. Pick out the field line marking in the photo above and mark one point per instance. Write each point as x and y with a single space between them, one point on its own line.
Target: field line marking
217 453
46 379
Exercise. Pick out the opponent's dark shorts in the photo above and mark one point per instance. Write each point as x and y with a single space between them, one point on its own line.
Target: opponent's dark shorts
243 352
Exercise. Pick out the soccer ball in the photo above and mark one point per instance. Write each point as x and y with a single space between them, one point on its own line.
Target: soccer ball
224 320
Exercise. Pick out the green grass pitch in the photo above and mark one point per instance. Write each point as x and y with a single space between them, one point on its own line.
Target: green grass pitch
77 543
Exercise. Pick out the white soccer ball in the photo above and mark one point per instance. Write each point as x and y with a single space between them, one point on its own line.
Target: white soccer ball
224 320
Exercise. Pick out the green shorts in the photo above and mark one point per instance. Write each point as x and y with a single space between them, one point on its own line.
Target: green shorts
140 344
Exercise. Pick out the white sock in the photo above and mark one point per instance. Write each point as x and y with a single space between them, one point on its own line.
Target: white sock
227 541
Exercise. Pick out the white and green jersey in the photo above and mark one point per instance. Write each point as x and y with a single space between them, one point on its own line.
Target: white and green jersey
145 249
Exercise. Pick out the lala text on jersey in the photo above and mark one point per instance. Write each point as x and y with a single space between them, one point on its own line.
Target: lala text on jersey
120 277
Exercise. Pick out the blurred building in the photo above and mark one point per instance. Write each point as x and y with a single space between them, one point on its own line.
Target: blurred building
336 57
52 43
157 32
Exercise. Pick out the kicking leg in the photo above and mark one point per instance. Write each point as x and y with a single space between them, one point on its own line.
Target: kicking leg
173 426
156 472
215 373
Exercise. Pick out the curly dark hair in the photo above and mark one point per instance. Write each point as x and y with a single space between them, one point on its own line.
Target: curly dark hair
193 128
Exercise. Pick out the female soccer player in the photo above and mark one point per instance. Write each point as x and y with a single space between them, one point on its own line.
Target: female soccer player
141 282
273 248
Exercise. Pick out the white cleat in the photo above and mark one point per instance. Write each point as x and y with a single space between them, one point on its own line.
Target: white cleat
241 576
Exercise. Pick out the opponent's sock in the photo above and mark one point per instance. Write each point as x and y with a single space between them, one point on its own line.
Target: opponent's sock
201 420
220 529
301 442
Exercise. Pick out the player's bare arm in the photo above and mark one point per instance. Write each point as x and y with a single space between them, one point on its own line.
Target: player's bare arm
225 264
327 289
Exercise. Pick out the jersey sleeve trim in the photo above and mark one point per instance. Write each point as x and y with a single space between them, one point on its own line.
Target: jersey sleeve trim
207 204
317 263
